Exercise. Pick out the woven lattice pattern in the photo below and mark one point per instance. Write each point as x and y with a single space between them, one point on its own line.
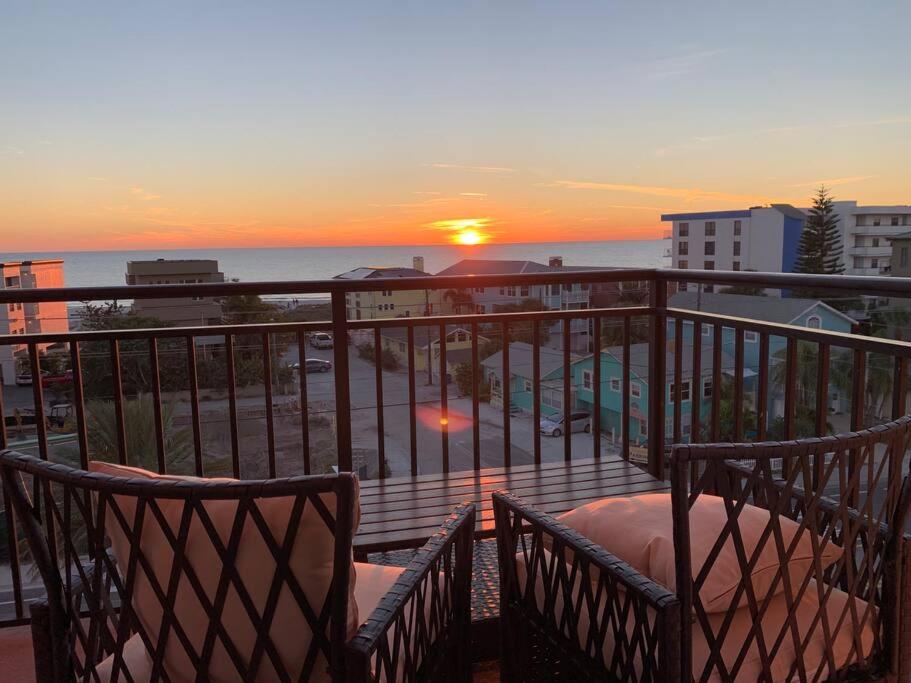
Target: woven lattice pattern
227 580
846 495
588 617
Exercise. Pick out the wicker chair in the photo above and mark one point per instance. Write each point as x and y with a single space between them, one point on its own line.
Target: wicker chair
90 536
593 617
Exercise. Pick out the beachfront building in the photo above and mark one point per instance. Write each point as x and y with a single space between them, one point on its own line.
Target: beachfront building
551 297
867 232
188 311
29 318
759 238
370 305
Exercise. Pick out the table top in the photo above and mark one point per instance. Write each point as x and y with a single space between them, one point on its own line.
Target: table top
403 512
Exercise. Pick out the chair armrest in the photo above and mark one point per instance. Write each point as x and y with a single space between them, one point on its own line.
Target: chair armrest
590 587
422 623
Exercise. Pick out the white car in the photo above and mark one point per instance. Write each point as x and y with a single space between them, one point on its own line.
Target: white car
314 365
321 340
554 425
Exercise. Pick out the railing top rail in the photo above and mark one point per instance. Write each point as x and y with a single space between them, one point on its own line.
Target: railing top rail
848 340
868 285
178 291
880 286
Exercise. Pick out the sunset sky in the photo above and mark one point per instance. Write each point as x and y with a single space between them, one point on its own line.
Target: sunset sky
191 124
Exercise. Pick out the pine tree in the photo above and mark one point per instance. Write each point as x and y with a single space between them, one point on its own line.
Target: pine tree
820 248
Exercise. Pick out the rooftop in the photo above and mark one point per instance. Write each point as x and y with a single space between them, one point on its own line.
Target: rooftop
772 309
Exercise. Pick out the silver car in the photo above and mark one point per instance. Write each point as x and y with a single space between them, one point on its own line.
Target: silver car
580 421
321 340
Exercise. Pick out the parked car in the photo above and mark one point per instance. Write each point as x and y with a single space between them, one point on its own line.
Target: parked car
554 425
314 365
48 380
321 340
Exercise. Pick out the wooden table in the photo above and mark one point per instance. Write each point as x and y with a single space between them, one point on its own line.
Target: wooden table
403 512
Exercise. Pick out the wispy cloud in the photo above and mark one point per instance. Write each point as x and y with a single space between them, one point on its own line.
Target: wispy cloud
687 194
473 194
696 141
833 182
457 224
491 170
679 65
141 194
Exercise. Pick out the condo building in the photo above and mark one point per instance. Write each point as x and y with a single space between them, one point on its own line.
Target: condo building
186 311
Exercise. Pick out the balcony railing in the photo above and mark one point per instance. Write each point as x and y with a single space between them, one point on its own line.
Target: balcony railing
732 394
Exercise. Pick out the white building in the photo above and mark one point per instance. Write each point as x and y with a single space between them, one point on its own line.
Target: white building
866 231
26 318
759 238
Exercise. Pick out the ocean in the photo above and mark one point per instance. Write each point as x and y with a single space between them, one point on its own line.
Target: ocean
107 268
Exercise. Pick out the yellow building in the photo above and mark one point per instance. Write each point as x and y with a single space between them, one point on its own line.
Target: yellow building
390 303
458 340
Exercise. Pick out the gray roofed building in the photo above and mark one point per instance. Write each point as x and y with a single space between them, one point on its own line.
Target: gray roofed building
521 359
493 267
771 309
371 272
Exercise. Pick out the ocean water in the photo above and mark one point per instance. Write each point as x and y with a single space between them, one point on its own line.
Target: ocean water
108 268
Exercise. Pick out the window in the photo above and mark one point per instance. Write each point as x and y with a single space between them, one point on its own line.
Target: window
683 263
707 388
683 230
735 265
643 427
527 385
858 241
523 291
706 330
479 308
876 241
478 290
401 347
903 256
12 307
511 290
587 379
554 290
736 248
709 248
709 265
750 337
552 398
635 389
858 262
684 392
710 228
814 321
737 228
875 221
387 292
683 248
894 221
874 262
615 384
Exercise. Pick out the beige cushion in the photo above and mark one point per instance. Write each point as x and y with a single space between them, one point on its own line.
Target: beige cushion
311 562
856 633
639 530
373 582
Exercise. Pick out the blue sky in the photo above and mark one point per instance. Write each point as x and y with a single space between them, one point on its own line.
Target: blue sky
194 123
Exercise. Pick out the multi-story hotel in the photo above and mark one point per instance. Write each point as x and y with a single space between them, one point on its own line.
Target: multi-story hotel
761 238
191 311
866 234
26 318
767 238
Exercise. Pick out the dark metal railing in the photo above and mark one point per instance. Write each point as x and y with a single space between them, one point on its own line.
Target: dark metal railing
665 366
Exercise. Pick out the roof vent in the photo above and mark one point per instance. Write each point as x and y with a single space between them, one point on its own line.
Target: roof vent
555 262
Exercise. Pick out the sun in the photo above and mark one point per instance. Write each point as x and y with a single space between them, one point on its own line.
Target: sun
468 237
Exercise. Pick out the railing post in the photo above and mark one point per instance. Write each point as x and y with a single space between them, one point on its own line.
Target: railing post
657 375
342 383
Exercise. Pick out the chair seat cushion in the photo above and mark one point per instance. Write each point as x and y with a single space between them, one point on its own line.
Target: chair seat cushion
373 582
850 622
640 531
311 562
